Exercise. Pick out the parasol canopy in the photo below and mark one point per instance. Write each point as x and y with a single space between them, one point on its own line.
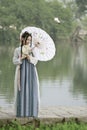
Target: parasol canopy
42 44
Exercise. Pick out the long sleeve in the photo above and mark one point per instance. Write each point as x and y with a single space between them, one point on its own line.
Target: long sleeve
16 59
33 60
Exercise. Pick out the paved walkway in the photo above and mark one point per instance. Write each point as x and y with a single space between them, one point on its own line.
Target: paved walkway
60 112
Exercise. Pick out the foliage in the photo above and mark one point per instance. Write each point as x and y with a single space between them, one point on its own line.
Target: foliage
17 14
71 125
65 16
82 7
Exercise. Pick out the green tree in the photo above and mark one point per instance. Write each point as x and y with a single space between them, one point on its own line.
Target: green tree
66 17
17 14
82 7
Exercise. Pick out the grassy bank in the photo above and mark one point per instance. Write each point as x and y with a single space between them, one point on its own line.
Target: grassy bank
70 125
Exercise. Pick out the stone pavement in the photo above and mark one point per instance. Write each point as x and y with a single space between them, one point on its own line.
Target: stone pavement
45 113
62 111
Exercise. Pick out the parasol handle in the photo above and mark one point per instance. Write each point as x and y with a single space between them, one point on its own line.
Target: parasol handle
36 45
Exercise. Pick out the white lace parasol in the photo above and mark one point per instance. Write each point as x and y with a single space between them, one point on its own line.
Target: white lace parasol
45 49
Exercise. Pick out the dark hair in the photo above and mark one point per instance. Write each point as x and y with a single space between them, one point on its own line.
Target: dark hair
24 37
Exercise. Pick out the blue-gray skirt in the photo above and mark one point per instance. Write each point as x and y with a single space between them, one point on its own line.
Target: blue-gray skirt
27 97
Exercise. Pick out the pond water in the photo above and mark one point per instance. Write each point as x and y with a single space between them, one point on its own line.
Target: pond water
63 80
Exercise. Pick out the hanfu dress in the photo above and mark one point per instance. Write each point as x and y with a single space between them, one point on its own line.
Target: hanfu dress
27 98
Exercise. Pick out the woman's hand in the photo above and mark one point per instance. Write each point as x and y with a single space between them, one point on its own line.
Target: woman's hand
23 57
37 44
28 57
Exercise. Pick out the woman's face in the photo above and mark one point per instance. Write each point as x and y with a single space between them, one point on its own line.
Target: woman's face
28 41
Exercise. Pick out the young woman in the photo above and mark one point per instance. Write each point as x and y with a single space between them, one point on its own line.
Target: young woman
26 80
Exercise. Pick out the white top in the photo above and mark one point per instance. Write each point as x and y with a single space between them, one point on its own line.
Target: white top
18 61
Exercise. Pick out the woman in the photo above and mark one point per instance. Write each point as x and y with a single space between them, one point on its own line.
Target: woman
26 80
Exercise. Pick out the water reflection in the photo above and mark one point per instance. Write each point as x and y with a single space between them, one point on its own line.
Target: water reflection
63 80
60 95
80 73
6 77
